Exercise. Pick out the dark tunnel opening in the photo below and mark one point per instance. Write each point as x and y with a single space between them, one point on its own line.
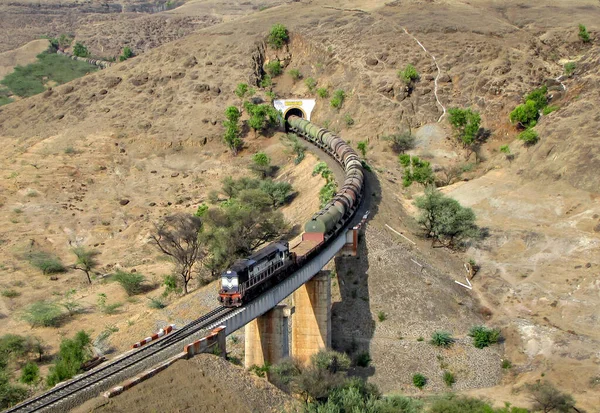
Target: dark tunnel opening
295 112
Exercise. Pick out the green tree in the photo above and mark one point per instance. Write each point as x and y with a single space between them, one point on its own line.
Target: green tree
466 124
30 373
274 68
232 129
278 192
86 261
240 225
80 50
547 398
444 219
261 116
177 237
415 170
409 75
278 36
261 165
583 34
73 353
241 90
127 54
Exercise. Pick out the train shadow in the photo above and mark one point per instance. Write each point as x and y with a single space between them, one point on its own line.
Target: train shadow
352 323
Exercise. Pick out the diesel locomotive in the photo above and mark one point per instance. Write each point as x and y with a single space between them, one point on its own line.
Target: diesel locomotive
249 277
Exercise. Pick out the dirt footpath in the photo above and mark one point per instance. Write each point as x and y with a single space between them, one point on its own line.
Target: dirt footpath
205 384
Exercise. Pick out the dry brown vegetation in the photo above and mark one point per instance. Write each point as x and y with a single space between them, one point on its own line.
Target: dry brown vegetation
148 131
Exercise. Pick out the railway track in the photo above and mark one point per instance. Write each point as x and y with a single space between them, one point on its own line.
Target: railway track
100 376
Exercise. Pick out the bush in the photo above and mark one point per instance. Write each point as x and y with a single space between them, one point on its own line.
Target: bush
30 373
419 380
80 50
278 36
261 164
266 82
260 371
505 149
127 53
444 219
274 68
362 146
9 393
323 93
363 359
583 34
547 398
156 303
131 282
483 336
538 97
107 308
529 136
401 142
296 145
338 99
409 74
449 378
43 314
310 83
241 90
452 403
381 316
348 119
73 353
232 129
46 262
441 339
570 68
283 373
295 74
549 109
330 360
506 364
10 293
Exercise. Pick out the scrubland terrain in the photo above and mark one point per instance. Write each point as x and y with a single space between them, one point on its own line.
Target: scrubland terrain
148 131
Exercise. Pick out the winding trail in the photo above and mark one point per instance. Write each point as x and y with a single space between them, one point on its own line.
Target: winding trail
435 90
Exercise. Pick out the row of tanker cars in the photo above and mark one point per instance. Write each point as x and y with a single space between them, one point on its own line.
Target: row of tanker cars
249 277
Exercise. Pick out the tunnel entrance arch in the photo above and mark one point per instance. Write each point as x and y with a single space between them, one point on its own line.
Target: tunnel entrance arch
298 107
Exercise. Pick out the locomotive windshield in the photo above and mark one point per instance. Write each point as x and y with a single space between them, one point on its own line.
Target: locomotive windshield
229 281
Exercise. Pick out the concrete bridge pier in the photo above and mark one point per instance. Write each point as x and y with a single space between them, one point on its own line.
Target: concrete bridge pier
267 337
311 325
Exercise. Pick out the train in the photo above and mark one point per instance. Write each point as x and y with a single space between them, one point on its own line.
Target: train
249 277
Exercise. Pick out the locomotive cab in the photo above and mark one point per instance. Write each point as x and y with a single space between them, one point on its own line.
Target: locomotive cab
230 288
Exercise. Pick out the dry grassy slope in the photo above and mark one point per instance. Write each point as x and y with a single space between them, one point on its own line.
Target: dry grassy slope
154 115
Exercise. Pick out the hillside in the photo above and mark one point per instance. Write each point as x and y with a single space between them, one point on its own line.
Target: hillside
162 112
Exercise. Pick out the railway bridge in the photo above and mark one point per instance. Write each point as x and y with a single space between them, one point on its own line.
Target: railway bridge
264 318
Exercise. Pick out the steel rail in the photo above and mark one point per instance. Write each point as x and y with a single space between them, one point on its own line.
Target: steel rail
128 360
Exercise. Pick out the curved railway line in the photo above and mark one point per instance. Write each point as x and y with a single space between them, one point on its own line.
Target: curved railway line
333 218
